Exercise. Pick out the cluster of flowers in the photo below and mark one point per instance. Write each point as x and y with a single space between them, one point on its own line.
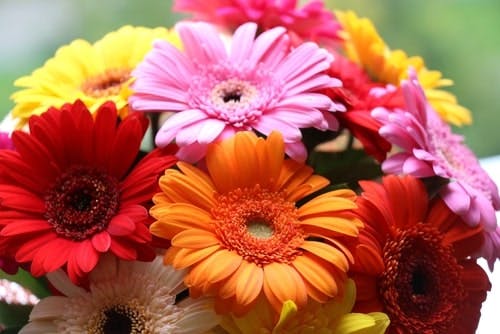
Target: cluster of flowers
259 168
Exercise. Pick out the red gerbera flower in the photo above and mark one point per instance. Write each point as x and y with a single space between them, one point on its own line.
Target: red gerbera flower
413 262
72 191
361 95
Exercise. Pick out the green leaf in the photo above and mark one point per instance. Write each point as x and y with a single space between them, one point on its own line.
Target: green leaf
14 316
345 167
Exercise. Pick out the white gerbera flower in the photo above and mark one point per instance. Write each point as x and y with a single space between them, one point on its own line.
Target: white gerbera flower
123 297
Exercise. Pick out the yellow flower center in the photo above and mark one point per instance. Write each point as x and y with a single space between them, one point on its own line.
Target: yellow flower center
105 84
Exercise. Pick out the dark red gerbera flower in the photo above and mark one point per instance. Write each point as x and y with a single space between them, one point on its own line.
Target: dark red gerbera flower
359 94
73 190
413 261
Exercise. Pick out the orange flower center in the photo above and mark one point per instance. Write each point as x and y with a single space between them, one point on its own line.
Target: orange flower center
105 84
259 225
421 286
82 202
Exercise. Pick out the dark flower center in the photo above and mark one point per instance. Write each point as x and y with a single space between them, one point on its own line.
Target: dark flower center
82 202
119 319
116 322
422 286
232 96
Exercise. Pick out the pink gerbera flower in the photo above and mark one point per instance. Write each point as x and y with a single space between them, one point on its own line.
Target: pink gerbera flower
72 190
430 148
311 22
258 84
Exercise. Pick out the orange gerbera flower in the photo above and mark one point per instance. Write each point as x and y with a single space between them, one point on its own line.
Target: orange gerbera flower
364 45
413 261
239 232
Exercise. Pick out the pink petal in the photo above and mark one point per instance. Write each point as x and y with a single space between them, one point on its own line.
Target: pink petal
297 151
201 42
242 43
456 199
418 168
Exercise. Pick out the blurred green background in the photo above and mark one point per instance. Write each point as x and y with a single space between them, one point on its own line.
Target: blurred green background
458 37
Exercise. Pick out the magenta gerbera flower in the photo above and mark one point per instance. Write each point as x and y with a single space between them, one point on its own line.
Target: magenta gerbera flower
430 148
72 190
312 21
259 84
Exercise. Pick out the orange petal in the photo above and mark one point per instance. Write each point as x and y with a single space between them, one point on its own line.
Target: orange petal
327 253
315 273
311 185
335 224
170 255
223 264
278 285
180 188
197 175
214 268
221 165
273 151
326 204
228 289
249 285
186 257
194 238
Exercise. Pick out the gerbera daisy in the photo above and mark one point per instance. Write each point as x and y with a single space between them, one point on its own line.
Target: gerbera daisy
360 95
239 232
332 317
71 190
123 297
259 85
413 262
93 73
430 148
311 22
364 45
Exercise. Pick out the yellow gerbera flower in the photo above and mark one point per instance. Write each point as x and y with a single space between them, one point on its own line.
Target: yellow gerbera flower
364 45
332 317
239 231
92 73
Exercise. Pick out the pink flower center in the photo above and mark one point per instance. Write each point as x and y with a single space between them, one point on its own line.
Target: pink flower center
82 202
236 95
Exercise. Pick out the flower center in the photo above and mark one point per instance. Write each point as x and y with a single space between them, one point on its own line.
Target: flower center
105 84
118 319
82 202
259 225
260 229
421 286
233 99
237 94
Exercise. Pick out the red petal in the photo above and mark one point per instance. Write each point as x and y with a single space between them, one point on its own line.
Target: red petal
122 249
87 256
101 241
121 225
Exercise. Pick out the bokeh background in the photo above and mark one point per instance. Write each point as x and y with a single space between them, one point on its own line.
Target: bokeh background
458 37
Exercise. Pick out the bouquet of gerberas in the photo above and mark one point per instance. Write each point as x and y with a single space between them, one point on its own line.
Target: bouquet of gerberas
259 168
